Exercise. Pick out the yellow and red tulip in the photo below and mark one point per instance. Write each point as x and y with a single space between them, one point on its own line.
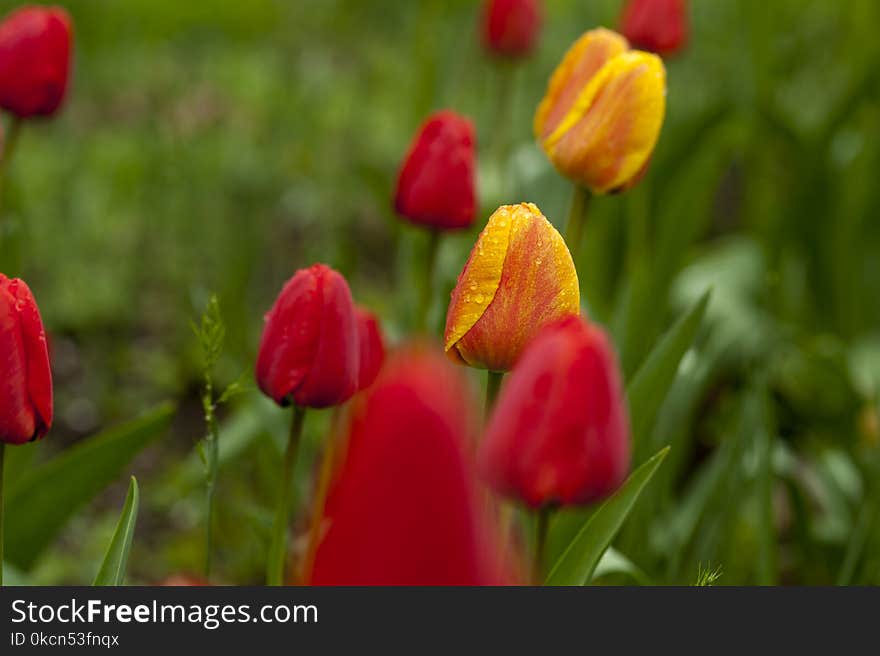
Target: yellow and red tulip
518 278
601 116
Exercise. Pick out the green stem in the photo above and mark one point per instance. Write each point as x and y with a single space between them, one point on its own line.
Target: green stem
493 384
2 518
639 240
9 145
577 219
542 522
213 460
428 280
278 546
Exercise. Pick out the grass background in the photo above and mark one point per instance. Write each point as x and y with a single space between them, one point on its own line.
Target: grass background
215 147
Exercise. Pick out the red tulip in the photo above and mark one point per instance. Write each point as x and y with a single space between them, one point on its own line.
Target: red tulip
372 347
310 346
25 377
510 27
403 509
559 433
35 47
435 187
657 25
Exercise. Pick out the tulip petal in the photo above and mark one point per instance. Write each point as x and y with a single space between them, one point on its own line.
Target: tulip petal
559 433
480 277
17 420
582 61
610 132
403 508
333 375
290 337
36 351
533 281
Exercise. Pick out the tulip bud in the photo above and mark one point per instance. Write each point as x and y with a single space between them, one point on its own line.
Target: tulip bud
34 60
559 433
518 278
660 26
403 507
435 187
372 348
25 377
310 346
510 27
601 116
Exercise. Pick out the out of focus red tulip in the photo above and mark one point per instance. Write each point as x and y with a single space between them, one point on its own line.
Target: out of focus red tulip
372 347
435 187
25 376
559 434
35 44
518 278
310 350
660 26
403 509
510 27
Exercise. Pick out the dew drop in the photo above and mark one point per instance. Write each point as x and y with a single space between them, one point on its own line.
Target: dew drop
479 298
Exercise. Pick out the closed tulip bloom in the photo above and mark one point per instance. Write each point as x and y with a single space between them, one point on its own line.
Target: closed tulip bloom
511 27
435 187
402 509
559 434
601 116
25 376
310 350
518 278
372 347
660 26
35 45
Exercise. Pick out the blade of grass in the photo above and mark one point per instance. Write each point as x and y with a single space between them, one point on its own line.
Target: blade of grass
578 562
649 387
42 499
112 570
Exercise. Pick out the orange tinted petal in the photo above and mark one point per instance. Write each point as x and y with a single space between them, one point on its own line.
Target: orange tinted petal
582 61
480 277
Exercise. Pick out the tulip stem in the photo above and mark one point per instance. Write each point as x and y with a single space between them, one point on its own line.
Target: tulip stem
321 493
8 148
213 459
577 219
493 384
2 516
428 280
542 522
278 546
12 135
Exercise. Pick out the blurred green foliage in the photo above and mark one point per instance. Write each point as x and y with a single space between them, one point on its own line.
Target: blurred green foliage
215 147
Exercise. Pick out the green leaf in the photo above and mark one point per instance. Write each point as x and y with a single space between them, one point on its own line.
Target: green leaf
577 563
651 383
42 499
614 562
112 571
